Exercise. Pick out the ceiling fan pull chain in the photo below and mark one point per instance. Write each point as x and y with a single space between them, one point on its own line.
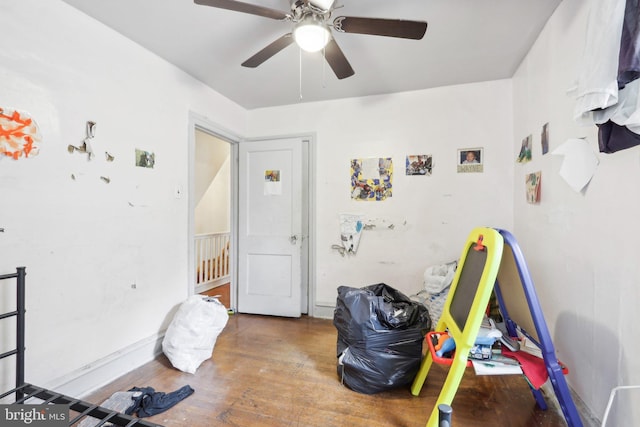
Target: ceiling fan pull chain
324 67
300 73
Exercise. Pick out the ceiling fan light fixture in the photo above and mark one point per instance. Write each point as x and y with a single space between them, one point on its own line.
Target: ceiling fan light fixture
311 34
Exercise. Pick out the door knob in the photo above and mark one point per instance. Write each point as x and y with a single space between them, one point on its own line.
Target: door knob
293 239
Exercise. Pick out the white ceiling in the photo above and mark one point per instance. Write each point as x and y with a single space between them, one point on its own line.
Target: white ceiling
466 41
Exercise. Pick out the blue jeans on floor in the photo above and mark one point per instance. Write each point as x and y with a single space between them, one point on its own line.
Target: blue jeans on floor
150 402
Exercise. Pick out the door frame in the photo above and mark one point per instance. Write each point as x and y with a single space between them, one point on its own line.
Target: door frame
203 124
197 121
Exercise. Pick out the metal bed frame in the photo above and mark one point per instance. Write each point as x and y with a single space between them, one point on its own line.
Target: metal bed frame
25 391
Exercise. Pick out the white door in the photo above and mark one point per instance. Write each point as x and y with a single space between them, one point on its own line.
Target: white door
270 223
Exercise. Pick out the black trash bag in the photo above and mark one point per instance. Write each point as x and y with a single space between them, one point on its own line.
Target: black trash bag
380 335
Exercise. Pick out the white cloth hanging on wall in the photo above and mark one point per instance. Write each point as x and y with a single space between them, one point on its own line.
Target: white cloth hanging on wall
626 112
607 91
597 84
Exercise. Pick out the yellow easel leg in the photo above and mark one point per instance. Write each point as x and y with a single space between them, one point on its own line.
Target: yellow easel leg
425 365
450 387
421 376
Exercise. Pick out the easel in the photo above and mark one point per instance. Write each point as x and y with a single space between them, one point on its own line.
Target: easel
482 265
464 308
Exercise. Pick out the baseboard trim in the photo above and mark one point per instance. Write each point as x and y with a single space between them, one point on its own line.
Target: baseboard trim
587 416
324 310
87 379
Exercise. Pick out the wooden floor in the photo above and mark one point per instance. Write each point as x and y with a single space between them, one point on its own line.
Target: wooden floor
270 371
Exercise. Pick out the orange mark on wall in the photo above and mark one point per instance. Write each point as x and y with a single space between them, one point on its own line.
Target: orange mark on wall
19 134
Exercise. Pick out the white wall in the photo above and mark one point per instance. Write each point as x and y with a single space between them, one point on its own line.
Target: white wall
213 211
212 184
82 241
582 248
432 215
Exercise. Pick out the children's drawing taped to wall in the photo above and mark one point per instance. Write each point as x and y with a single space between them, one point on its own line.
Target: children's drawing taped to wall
350 231
19 134
371 179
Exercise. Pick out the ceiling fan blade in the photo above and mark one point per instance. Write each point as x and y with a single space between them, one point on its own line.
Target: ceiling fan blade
337 61
269 51
381 27
244 7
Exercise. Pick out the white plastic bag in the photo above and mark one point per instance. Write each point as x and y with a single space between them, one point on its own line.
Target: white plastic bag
437 280
438 277
193 332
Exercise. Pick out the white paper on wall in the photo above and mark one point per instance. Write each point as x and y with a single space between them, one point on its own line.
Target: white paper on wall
272 183
580 163
350 231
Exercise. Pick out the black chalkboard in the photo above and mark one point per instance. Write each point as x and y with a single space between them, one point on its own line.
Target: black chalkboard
465 291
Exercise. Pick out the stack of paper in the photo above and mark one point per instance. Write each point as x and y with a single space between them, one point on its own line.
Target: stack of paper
494 367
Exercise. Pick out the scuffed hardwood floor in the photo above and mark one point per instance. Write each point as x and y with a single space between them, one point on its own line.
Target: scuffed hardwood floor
270 371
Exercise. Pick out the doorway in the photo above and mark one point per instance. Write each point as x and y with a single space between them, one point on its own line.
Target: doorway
212 216
211 259
305 239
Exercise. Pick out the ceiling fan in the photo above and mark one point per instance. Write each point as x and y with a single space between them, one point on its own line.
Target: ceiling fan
311 29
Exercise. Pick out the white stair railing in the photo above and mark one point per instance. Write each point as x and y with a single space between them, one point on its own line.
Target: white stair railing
212 259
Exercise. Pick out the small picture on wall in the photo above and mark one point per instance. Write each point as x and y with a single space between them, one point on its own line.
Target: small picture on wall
525 150
145 159
544 138
532 183
470 160
420 164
